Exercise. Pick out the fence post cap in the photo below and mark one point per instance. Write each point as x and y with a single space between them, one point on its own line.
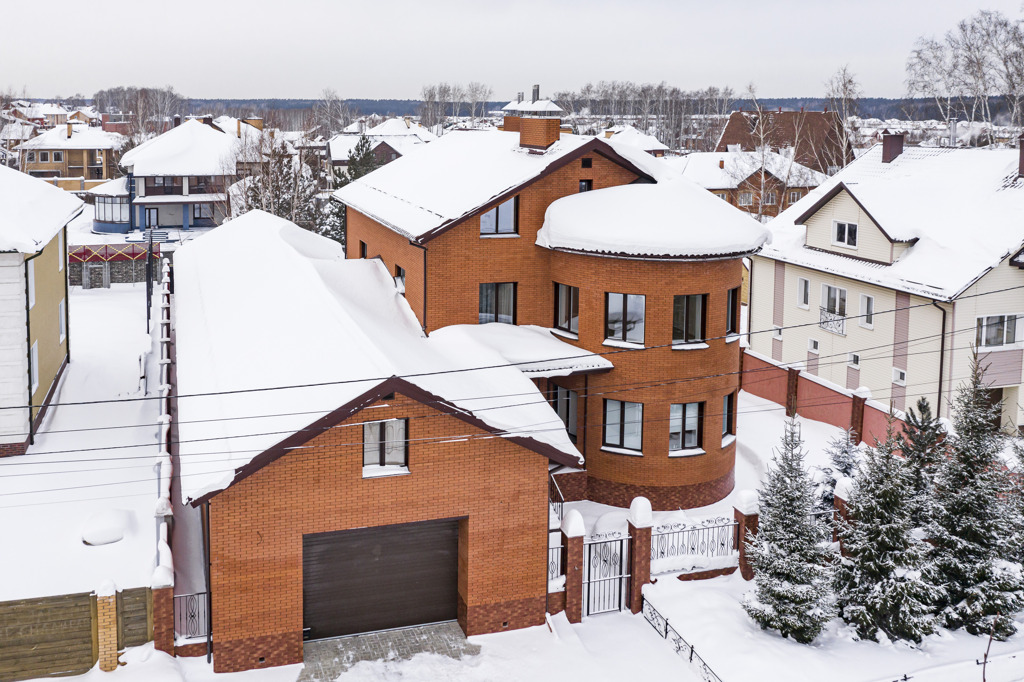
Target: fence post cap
107 588
640 513
746 502
163 576
862 392
572 524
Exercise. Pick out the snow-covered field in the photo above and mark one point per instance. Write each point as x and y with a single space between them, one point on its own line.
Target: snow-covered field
70 481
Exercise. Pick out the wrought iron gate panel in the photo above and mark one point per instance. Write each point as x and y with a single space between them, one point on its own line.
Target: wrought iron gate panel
605 576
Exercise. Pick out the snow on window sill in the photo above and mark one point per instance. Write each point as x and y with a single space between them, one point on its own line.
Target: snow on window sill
996 349
728 439
568 335
862 325
730 338
690 346
803 306
377 471
843 245
499 236
615 343
687 452
622 451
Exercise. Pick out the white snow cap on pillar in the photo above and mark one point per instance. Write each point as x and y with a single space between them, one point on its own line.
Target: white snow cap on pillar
640 513
844 484
107 588
746 502
572 524
863 392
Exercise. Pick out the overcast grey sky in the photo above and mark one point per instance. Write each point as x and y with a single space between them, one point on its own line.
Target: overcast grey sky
390 48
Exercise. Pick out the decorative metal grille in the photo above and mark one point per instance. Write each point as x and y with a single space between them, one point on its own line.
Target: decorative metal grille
554 562
832 322
605 575
683 648
714 537
191 614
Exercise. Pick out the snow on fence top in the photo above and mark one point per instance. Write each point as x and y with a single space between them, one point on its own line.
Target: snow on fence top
32 211
287 309
674 219
957 209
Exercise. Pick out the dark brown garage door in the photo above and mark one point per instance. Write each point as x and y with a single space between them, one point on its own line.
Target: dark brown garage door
379 578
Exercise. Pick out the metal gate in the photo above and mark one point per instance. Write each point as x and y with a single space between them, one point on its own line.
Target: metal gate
605 575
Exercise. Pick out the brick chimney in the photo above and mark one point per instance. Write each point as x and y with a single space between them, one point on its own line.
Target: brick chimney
69 131
540 125
892 146
208 120
177 120
721 163
510 124
1020 162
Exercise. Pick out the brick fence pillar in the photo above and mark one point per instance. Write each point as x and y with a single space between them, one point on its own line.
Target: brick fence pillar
857 417
573 531
106 613
163 619
641 519
792 384
746 514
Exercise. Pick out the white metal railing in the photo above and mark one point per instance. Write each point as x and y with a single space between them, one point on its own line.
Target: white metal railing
832 322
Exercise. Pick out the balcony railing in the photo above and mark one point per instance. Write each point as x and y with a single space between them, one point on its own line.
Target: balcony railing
832 322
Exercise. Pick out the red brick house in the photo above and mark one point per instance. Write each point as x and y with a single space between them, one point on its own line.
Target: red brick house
359 500
472 225
816 136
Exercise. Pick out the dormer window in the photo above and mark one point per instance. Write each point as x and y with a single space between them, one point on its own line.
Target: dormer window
844 234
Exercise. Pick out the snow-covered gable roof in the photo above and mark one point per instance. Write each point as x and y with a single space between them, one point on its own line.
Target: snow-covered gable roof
400 126
727 170
32 211
420 194
627 134
338 330
118 187
340 146
674 219
961 208
17 130
192 148
82 137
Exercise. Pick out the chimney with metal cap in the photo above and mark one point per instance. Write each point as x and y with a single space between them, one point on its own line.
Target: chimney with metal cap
892 146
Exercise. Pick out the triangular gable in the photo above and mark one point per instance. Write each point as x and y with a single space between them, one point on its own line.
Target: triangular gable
832 194
378 392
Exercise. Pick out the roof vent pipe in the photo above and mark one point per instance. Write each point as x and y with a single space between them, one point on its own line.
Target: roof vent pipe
892 146
519 97
536 93
1020 163
69 131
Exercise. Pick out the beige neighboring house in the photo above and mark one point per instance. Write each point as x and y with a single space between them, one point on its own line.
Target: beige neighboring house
33 301
72 150
892 272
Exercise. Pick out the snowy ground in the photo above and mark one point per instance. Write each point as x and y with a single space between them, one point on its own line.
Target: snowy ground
80 233
69 479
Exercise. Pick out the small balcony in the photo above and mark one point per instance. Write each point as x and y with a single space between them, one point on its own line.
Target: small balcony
832 322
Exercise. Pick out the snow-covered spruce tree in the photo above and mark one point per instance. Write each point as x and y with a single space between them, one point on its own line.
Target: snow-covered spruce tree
879 583
842 452
792 576
971 524
922 445
331 221
1015 504
361 160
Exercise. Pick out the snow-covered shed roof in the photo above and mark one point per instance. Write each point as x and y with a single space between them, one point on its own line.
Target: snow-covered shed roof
420 194
339 332
401 126
534 350
727 170
32 211
627 134
674 219
192 148
960 208
82 136
118 187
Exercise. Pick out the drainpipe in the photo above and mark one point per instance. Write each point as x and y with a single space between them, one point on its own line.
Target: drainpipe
205 513
28 349
942 359
420 246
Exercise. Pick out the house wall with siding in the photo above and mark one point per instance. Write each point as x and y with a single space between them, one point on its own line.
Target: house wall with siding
44 317
871 243
13 351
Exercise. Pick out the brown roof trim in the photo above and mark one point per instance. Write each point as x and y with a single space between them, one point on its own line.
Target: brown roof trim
830 195
388 386
656 257
595 146
847 255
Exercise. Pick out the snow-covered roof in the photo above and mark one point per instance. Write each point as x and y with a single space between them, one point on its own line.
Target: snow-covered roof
512 106
627 134
237 331
674 219
82 136
118 187
534 350
962 206
542 107
17 130
340 146
401 126
32 211
727 170
192 148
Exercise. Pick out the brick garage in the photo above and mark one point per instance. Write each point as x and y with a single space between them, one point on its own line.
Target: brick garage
498 487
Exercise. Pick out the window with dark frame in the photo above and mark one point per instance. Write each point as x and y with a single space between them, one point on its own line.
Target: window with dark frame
502 219
200 211
497 303
732 311
729 415
362 249
385 443
586 163
567 308
565 403
624 317
586 185
400 279
623 425
686 426
689 314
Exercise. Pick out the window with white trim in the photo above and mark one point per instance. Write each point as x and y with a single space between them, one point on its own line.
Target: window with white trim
867 312
385 444
623 424
33 366
994 331
62 319
44 157
565 404
803 292
833 299
686 426
812 345
58 157
844 234
746 199
769 199
899 376
853 360
31 274
777 332
795 196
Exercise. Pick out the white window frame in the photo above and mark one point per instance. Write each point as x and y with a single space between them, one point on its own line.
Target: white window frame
843 297
981 322
62 327
58 157
31 274
899 376
853 360
867 317
795 195
745 199
375 439
769 199
813 345
803 293
845 242
44 160
33 368
777 332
